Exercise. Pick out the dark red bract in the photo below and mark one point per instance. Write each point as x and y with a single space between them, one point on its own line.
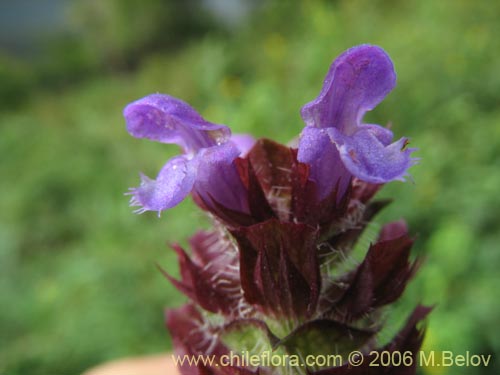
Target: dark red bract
277 264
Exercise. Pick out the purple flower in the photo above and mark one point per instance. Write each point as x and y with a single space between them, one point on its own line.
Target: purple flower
335 142
206 165
275 272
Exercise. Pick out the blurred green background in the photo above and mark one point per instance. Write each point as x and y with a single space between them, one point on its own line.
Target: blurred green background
78 282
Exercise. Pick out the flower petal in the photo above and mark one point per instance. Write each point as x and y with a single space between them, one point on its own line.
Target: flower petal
356 82
326 167
172 185
166 119
384 135
218 179
369 159
244 142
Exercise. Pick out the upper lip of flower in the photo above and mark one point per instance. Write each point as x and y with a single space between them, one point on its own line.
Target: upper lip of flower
357 81
167 119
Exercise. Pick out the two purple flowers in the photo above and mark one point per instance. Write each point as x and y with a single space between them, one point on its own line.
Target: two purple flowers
334 143
273 274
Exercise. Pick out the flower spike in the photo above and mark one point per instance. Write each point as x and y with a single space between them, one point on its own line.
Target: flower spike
274 280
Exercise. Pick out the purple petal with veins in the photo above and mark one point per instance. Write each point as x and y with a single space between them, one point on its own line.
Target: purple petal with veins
218 178
326 167
172 185
166 119
369 159
357 81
